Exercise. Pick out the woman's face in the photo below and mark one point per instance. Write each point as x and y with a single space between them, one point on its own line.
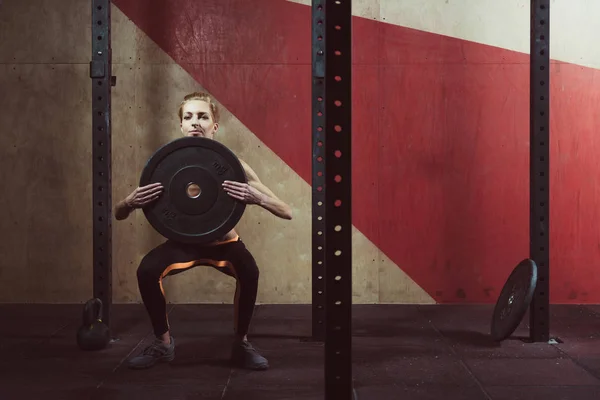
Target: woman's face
197 119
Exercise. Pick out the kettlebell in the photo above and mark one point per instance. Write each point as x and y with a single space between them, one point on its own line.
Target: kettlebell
93 333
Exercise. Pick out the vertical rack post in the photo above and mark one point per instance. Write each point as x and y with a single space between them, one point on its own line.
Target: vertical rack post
338 199
102 81
318 170
540 167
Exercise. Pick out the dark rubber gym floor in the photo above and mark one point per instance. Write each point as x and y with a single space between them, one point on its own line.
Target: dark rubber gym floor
400 352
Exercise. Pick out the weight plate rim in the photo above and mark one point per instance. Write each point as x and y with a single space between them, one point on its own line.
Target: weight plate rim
520 313
180 143
177 144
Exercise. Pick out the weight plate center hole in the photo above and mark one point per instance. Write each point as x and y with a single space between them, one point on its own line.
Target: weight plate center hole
193 190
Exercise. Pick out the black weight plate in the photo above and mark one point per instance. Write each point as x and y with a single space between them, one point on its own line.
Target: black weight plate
203 217
514 299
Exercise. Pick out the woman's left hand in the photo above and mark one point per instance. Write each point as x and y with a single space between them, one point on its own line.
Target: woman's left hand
243 192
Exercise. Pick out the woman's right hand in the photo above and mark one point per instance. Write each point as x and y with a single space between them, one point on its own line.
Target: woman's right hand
144 195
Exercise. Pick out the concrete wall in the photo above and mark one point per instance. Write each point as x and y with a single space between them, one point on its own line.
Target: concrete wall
440 142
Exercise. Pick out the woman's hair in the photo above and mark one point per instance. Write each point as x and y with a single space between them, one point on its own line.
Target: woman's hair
214 109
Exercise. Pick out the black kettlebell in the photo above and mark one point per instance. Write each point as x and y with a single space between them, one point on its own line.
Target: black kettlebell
93 333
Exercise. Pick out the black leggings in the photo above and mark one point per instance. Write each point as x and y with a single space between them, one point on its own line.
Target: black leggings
171 258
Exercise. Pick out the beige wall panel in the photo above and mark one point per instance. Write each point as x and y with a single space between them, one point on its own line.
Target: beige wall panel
397 287
365 270
124 180
574 32
367 8
124 38
360 8
14 145
64 34
48 126
45 31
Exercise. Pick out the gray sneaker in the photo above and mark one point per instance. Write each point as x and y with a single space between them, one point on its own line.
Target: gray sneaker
244 355
157 351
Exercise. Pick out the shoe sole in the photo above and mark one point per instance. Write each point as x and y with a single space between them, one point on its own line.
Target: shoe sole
160 360
258 367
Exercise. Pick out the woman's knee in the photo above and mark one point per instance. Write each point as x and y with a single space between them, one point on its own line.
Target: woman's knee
247 272
244 265
153 263
252 272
